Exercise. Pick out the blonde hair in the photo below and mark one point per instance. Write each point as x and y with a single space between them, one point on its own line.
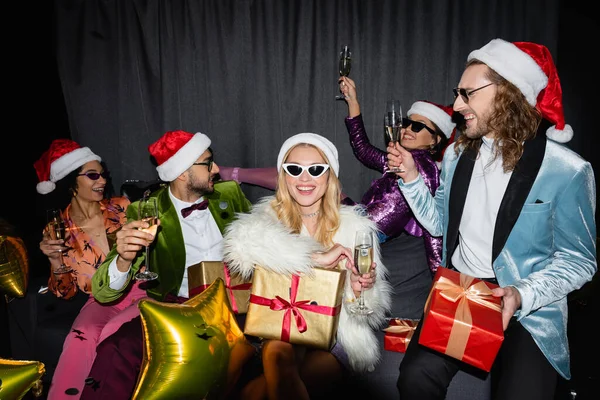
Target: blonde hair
288 210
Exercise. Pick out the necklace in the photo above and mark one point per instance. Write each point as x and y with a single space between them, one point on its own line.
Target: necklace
310 215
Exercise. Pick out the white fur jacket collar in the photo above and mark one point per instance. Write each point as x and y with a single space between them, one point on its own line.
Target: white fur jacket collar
259 238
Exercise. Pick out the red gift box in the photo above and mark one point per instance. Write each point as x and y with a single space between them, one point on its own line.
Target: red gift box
398 334
463 319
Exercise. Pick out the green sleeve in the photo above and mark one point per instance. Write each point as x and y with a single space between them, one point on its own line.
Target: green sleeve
101 290
245 203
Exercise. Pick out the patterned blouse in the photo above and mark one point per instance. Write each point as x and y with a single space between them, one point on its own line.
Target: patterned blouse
83 255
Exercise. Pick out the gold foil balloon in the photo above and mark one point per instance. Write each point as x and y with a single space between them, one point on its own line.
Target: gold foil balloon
188 347
14 266
18 377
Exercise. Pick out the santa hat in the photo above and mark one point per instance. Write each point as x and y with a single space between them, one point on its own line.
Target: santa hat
319 142
63 157
530 68
438 114
176 151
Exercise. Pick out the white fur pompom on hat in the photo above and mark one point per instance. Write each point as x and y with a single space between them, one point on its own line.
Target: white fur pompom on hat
322 143
529 66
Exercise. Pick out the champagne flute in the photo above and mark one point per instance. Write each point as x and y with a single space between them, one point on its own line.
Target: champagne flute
393 124
57 229
345 64
363 259
148 212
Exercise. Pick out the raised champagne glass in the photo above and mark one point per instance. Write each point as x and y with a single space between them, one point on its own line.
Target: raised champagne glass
148 212
344 64
57 229
363 259
393 124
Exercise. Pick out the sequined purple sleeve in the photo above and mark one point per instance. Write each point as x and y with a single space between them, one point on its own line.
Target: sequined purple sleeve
365 152
433 250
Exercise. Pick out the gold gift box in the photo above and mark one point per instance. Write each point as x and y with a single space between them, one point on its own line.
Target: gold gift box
309 318
202 275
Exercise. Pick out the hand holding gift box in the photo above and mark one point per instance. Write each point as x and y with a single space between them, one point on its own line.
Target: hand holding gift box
296 309
463 319
202 275
398 334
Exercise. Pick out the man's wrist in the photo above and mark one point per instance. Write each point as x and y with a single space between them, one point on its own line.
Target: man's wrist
122 264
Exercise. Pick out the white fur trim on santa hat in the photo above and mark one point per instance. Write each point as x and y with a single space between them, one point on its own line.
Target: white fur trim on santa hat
68 163
560 136
435 114
45 187
184 157
514 65
64 165
318 141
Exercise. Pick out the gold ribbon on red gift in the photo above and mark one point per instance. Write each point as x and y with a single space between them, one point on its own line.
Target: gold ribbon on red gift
401 328
293 307
463 292
242 286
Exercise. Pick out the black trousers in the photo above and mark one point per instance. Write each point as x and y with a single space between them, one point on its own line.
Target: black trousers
520 371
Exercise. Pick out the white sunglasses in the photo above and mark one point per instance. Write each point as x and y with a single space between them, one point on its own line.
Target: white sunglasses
314 170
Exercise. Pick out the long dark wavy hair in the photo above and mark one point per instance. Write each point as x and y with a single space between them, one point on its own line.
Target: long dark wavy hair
512 118
437 150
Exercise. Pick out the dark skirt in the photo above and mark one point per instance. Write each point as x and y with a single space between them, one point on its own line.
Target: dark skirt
409 274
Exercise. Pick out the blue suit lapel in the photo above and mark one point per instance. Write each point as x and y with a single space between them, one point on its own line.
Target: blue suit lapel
518 189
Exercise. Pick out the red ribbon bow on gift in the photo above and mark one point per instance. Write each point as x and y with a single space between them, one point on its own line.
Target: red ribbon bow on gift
292 307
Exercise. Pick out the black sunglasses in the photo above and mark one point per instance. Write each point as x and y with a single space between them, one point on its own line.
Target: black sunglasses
208 163
415 126
464 94
95 175
315 170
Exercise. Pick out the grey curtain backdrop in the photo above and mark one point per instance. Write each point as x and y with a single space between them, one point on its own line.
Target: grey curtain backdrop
251 73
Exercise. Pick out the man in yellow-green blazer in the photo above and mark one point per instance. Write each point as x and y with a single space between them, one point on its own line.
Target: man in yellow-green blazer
193 211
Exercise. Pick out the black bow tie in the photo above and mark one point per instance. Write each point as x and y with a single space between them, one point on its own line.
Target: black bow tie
198 206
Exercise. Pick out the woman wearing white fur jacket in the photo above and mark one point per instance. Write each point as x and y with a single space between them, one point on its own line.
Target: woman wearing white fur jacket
303 226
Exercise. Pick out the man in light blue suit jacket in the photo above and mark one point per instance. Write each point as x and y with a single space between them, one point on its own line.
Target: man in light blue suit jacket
514 208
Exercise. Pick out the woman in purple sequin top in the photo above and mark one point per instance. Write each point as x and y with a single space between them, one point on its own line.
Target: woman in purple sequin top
411 253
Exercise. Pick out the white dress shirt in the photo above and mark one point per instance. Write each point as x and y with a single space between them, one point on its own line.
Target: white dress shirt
473 255
201 237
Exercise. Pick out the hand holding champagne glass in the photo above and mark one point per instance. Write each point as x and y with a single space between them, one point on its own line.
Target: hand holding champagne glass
57 230
148 213
393 124
363 260
345 64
